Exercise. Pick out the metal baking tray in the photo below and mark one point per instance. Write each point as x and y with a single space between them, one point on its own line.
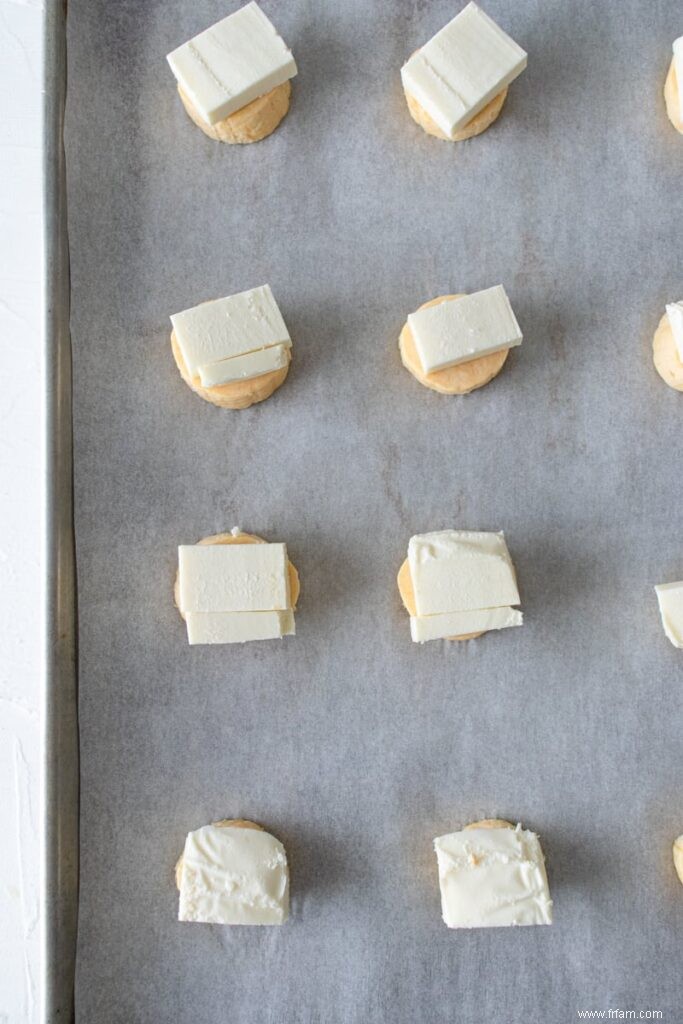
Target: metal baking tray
353 745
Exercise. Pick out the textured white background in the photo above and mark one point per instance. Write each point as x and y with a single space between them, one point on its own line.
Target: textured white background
21 508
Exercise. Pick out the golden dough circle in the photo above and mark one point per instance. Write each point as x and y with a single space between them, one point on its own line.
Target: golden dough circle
665 355
238 394
223 823
479 123
454 380
673 106
405 589
242 538
490 823
251 123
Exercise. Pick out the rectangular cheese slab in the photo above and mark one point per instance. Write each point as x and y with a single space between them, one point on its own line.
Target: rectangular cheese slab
466 328
670 598
678 66
229 327
451 624
233 578
232 875
253 364
232 63
460 571
237 627
674 312
462 68
491 877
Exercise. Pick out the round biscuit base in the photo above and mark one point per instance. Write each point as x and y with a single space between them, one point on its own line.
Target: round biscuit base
238 394
665 355
251 123
405 589
673 106
242 538
454 380
479 123
490 823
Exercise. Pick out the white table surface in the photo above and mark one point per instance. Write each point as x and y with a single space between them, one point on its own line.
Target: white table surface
21 510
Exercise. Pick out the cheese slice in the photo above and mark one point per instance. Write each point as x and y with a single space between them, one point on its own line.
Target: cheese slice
232 63
452 624
233 578
670 598
229 327
238 627
492 877
674 312
460 571
459 330
462 68
233 875
254 364
678 65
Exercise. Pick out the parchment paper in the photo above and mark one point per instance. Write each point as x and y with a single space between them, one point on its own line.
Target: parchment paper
351 744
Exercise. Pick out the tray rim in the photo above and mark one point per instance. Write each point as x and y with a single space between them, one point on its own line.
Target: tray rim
61 775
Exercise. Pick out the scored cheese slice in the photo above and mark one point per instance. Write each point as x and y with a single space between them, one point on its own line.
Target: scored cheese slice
457 331
231 63
233 578
238 627
461 570
228 327
460 70
254 364
455 624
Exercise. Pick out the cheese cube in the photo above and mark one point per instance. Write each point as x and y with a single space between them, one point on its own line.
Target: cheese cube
678 66
490 877
462 68
459 330
233 875
254 364
674 312
233 578
460 571
670 598
452 624
232 63
237 627
229 327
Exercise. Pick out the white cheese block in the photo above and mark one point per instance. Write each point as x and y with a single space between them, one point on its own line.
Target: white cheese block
459 330
233 875
462 68
670 598
254 364
237 627
491 877
674 312
229 327
678 65
233 578
460 571
450 624
232 63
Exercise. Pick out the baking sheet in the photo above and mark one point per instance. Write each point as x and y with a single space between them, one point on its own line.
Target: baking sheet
351 744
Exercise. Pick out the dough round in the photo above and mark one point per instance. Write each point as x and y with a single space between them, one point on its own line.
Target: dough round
223 823
405 589
248 124
242 538
479 123
665 355
673 107
454 380
238 394
490 823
